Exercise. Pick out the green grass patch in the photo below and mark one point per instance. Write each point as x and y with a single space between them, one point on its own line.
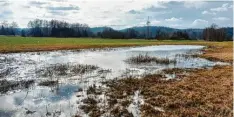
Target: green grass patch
22 44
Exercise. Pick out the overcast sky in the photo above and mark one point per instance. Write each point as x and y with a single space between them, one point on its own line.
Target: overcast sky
120 14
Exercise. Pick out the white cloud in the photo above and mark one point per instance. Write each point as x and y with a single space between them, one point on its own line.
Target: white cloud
193 4
224 7
208 13
173 19
152 23
219 9
155 22
221 19
231 6
155 7
133 12
199 23
176 26
115 13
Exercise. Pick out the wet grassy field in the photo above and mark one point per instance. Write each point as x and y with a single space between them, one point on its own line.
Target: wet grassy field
25 44
193 92
199 92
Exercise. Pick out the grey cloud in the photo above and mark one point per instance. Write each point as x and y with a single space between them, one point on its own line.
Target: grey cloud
63 8
221 18
59 0
224 7
133 12
6 14
192 17
153 8
26 6
35 3
116 25
59 13
174 3
4 3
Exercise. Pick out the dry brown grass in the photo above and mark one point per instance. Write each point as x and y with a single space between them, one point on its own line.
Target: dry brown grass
199 93
203 92
90 107
219 53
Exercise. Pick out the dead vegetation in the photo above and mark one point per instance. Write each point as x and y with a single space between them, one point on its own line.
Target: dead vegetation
178 73
81 69
90 107
219 52
187 56
120 112
199 94
94 90
203 92
149 59
5 72
117 102
65 69
48 83
6 85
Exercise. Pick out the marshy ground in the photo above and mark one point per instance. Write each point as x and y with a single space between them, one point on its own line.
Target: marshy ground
184 86
193 92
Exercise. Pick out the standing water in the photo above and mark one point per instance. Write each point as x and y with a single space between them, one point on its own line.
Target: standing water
48 83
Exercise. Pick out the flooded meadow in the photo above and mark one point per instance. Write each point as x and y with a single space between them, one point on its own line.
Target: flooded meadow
78 82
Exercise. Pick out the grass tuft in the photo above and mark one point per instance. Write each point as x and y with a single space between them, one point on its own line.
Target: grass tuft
149 59
65 69
48 83
6 86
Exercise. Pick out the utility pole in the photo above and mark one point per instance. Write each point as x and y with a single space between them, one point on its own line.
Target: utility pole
148 30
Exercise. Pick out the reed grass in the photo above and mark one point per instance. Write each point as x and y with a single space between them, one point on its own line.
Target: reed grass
65 69
149 59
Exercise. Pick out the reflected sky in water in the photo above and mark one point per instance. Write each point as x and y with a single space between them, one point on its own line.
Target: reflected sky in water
61 99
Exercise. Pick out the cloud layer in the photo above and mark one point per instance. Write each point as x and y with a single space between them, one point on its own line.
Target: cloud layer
120 14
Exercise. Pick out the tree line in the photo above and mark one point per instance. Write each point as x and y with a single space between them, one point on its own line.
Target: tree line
132 33
8 28
181 35
114 34
56 28
213 33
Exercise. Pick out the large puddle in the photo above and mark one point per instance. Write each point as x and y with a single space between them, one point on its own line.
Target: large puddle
24 91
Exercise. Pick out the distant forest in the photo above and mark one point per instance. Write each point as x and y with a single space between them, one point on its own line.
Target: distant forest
56 28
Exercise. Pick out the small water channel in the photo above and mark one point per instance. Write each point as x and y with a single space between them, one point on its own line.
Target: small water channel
21 74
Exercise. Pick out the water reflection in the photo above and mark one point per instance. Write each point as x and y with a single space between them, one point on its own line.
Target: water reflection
38 99
62 99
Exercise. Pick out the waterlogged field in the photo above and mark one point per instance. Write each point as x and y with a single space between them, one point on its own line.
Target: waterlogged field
88 82
26 44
